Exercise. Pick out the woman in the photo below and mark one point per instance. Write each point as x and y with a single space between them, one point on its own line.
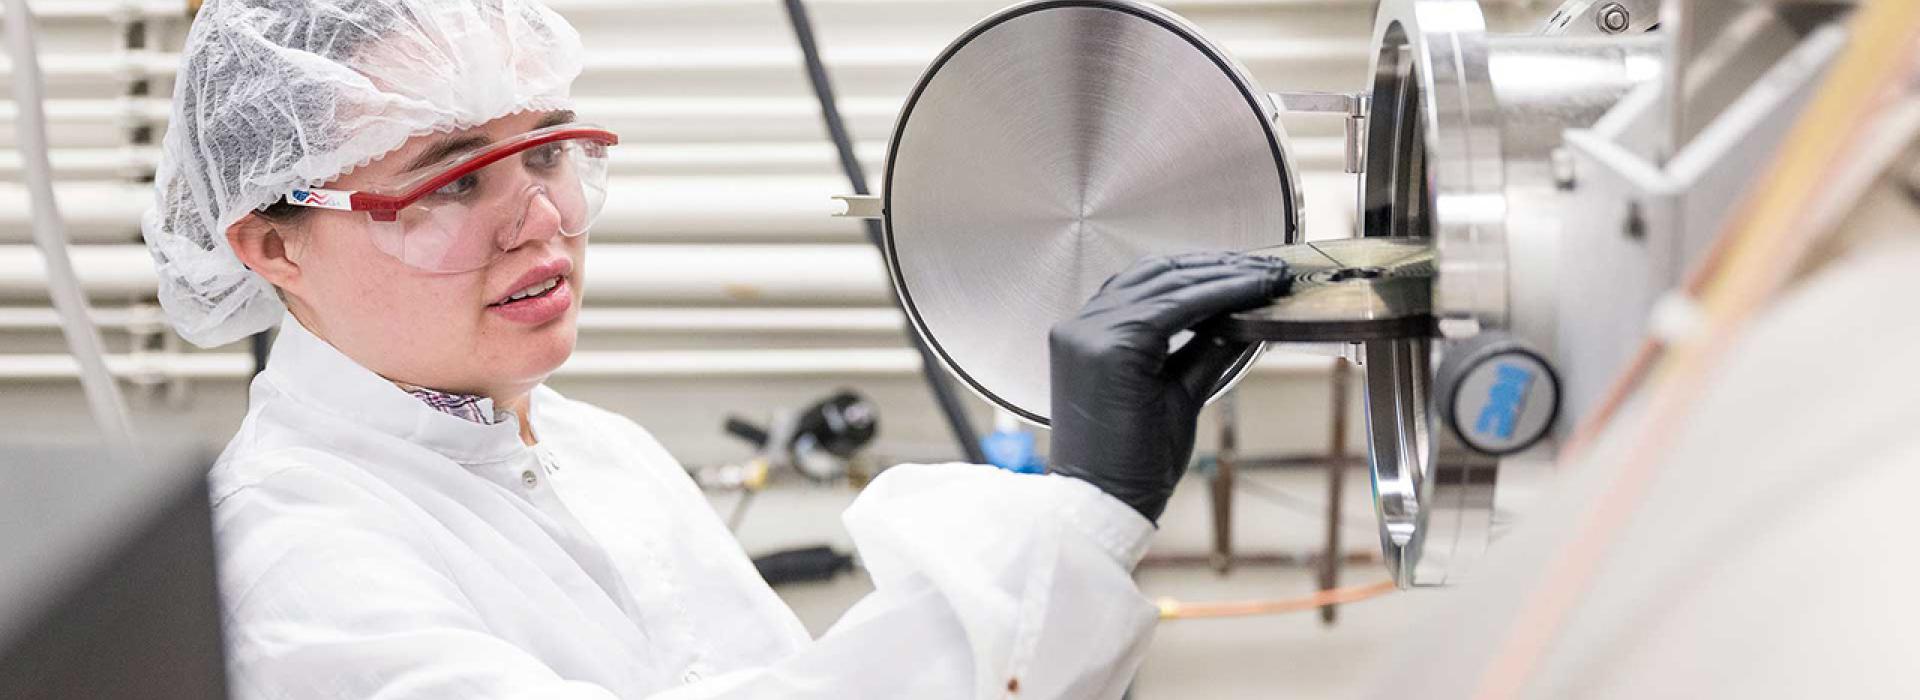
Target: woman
407 512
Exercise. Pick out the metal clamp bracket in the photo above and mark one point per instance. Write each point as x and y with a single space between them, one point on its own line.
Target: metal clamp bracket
1355 105
860 206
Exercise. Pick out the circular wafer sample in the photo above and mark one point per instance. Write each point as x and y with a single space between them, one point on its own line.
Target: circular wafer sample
1346 290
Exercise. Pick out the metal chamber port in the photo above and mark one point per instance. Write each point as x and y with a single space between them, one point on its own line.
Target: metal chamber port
1059 140
1460 149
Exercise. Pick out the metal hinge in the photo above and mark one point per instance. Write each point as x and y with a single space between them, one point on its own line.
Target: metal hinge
1354 105
861 206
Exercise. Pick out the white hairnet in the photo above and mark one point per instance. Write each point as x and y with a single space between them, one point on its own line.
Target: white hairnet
278 94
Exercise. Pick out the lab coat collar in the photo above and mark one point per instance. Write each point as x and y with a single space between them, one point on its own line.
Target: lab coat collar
312 370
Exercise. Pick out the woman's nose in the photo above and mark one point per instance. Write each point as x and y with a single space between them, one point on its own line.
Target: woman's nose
539 220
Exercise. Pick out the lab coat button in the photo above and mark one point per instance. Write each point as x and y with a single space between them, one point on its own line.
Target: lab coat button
527 477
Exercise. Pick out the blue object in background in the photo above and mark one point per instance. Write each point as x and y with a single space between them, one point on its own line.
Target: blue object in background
1011 446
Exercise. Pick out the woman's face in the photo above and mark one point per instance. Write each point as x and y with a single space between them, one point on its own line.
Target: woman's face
451 332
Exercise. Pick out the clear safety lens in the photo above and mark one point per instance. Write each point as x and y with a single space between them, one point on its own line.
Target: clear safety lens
472 219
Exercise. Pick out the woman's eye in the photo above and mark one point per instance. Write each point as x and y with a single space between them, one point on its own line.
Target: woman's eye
459 188
546 157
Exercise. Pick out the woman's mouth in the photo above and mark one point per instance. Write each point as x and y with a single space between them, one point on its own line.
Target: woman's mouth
538 289
536 304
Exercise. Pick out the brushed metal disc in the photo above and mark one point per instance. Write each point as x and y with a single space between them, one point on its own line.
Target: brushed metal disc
1346 290
1052 146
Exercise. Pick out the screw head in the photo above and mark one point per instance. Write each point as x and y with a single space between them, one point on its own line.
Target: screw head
1614 18
1636 226
1564 177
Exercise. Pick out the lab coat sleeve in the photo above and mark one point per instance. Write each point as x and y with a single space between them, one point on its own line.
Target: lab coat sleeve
988 584
328 596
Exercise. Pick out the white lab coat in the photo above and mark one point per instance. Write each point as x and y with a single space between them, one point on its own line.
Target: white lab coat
371 547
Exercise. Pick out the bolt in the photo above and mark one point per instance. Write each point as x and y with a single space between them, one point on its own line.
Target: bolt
1636 227
1912 183
1563 169
1613 18
1356 273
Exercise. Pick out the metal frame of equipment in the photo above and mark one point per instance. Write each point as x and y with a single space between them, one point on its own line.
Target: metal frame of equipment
1453 141
1662 174
1462 127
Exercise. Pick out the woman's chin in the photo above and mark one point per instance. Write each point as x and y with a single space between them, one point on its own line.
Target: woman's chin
543 359
532 356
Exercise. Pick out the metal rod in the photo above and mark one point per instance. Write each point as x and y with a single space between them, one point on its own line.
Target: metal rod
739 512
950 405
1222 485
1676 22
839 363
693 275
1336 478
49 233
166 66
795 320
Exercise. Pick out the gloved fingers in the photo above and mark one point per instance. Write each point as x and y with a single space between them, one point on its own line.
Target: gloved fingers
1147 268
1203 362
1246 288
1168 282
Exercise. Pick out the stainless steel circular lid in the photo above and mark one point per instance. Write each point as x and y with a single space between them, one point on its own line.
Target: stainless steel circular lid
1050 147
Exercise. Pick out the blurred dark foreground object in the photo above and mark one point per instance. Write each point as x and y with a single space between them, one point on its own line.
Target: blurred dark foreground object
107 585
806 564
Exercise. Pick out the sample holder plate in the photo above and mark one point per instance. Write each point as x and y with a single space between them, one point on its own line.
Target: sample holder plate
1351 290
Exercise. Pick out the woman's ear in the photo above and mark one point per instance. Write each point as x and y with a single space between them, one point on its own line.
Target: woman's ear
261 245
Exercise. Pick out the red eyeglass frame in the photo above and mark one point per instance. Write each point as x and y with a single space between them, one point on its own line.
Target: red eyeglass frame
386 208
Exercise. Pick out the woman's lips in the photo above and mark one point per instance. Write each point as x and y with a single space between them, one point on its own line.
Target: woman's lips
536 310
557 267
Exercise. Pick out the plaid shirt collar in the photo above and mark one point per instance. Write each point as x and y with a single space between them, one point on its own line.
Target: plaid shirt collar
478 409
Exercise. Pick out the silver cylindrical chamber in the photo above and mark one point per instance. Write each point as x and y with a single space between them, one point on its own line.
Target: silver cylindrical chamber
1461 142
1058 140
1543 87
1461 137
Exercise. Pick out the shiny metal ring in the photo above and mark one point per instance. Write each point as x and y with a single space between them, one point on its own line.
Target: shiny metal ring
1434 168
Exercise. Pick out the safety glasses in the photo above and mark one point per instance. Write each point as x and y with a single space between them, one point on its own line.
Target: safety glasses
463 215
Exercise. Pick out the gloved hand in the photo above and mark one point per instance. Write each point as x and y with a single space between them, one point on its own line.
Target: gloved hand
1124 409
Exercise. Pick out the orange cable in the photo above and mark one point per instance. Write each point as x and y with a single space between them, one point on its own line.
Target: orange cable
1171 609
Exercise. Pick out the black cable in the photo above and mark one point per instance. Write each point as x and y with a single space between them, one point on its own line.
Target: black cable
950 405
803 565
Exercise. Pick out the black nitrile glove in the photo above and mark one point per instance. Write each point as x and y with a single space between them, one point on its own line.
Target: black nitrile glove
1124 409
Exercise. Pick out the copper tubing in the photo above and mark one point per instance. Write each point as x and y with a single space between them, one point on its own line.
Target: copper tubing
1171 609
1285 560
